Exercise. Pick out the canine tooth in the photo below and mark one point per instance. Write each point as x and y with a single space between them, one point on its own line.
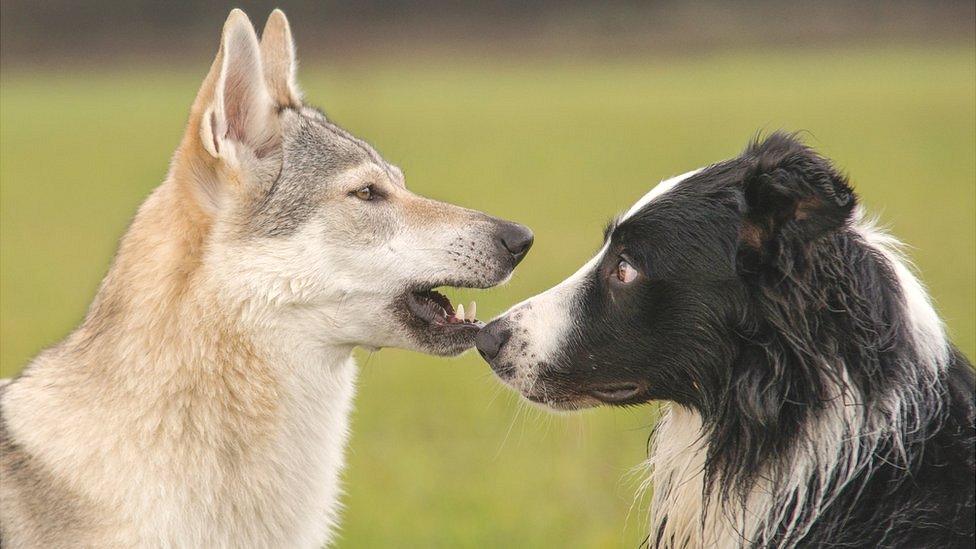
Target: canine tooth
472 309
459 312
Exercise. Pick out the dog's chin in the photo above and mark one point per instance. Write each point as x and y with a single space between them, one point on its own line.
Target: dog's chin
434 325
562 403
450 342
611 394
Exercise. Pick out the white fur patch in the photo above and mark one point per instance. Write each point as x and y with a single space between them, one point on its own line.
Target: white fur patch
928 328
549 318
660 189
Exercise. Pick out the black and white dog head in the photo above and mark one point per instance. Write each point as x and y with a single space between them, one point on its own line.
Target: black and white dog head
661 309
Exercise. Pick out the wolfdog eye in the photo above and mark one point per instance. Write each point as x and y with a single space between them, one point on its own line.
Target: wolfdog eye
366 193
625 272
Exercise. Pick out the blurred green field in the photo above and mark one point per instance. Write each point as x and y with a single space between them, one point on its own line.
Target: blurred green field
440 455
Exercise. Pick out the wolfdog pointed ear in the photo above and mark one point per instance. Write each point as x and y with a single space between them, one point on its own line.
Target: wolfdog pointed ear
278 56
240 109
792 196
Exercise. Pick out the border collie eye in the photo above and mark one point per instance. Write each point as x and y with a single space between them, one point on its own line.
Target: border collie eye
625 272
366 193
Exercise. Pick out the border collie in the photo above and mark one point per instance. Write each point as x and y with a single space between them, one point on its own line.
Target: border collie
814 398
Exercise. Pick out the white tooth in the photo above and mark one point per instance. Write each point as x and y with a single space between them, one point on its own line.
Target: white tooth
459 312
472 309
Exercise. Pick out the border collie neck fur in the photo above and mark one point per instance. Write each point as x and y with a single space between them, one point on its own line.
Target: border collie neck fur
814 397
204 400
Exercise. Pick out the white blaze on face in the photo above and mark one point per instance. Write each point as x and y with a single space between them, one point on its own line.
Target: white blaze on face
544 323
658 190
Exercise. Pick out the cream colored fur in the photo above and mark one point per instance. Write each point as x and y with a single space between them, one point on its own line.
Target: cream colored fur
204 400
180 414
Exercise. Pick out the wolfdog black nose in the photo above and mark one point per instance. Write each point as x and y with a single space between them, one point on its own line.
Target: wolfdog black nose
491 339
517 239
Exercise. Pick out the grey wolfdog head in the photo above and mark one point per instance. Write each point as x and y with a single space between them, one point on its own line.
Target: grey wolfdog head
311 221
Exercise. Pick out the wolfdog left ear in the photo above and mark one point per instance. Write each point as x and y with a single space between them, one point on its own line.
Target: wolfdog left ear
792 196
278 56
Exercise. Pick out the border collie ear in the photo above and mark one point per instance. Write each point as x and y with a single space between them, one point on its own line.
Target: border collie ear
792 196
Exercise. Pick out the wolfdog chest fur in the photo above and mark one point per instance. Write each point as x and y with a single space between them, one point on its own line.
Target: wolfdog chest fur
228 458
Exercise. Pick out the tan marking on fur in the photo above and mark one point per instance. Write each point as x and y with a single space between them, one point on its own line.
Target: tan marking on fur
806 207
174 401
751 235
422 211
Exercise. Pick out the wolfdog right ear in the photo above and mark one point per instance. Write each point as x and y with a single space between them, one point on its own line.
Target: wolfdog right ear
278 55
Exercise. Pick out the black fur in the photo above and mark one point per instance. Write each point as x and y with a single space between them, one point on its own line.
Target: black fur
759 305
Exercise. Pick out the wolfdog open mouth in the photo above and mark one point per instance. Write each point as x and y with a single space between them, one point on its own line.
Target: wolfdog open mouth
435 309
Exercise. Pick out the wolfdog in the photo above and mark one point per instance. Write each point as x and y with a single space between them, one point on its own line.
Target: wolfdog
815 399
204 400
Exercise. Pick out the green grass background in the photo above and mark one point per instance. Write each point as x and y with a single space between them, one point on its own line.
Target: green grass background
440 455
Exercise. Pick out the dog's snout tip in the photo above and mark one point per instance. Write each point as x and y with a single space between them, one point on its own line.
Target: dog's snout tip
491 339
517 239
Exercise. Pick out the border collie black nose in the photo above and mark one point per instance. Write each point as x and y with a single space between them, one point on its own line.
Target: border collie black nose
491 339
